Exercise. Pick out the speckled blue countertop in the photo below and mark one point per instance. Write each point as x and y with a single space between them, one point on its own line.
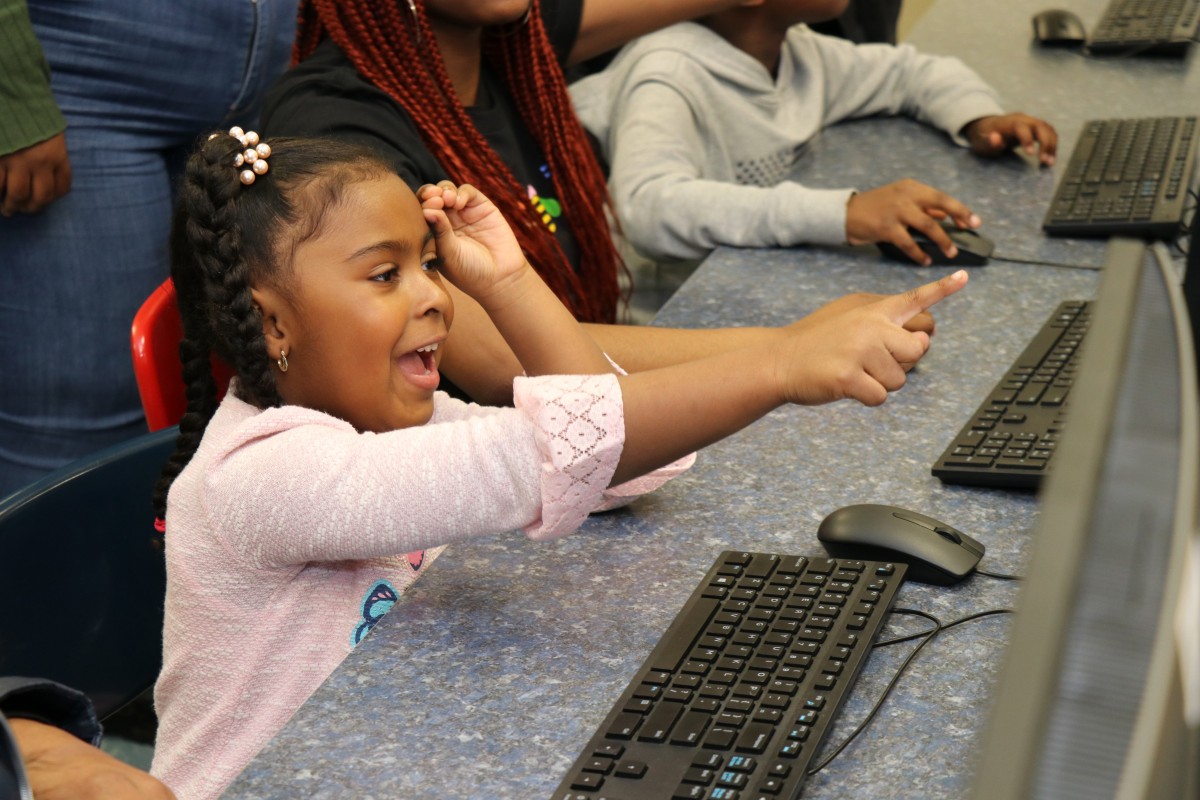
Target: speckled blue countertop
492 672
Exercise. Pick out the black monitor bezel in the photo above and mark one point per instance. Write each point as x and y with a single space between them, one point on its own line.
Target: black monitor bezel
1016 753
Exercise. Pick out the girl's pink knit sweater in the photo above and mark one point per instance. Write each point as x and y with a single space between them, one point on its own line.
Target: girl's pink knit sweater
290 534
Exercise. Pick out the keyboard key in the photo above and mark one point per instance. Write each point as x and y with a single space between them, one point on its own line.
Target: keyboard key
587 780
672 651
624 725
690 729
658 724
600 765
720 738
754 738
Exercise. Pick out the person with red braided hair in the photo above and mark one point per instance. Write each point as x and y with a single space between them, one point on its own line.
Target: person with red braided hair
474 92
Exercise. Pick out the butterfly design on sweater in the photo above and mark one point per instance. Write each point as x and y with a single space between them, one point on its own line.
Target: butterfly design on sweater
377 602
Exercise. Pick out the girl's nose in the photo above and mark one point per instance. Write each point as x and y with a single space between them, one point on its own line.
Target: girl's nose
433 299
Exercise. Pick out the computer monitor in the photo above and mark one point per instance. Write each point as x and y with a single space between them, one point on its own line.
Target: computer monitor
1098 694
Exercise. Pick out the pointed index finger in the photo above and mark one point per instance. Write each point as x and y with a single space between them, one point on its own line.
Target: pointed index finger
905 306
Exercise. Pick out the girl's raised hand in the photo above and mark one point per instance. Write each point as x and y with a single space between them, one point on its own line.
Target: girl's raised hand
478 249
862 353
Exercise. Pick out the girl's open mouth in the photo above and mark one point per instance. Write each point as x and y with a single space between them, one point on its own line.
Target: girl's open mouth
420 367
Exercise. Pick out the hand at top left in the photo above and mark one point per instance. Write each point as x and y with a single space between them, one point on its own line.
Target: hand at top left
478 249
990 136
34 177
61 767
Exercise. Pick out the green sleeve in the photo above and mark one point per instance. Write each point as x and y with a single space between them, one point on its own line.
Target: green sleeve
28 113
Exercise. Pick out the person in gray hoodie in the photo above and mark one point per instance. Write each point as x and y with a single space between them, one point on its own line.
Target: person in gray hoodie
702 124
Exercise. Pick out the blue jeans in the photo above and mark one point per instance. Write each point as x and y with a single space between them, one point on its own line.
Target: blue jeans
138 81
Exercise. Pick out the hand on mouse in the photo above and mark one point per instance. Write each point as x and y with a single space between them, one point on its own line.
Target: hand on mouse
886 214
990 136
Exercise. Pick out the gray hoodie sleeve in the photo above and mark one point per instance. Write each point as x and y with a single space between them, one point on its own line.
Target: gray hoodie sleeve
668 209
869 79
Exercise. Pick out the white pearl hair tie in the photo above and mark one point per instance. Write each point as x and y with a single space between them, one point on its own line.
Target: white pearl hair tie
254 157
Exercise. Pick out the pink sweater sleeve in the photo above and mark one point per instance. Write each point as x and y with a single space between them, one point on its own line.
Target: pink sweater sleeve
292 486
579 432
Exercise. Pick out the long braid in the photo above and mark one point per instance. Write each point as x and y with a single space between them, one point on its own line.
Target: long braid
308 32
386 44
213 291
577 174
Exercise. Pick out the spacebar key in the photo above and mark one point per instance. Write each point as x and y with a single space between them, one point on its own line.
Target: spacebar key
682 635
658 725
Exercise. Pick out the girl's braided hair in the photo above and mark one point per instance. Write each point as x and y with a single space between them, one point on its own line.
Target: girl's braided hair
226 238
395 49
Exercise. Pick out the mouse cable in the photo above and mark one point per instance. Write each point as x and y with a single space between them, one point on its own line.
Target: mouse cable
925 636
1110 55
940 625
1188 227
1039 262
1174 240
1000 576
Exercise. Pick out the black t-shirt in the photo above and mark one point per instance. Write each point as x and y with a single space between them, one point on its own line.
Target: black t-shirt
326 96
865 21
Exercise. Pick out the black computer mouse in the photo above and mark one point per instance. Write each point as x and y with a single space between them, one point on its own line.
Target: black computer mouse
974 250
934 551
1057 27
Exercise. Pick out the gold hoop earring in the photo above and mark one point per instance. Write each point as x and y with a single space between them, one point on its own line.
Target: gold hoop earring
282 361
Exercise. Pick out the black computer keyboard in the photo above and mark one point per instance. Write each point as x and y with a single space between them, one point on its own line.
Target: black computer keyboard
1126 177
735 699
1161 27
1011 438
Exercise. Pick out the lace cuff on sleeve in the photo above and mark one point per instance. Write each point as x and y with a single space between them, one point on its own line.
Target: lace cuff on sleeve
580 431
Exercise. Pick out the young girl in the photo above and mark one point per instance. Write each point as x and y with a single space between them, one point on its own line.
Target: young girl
324 283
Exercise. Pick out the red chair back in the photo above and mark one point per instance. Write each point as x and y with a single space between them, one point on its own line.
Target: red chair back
154 338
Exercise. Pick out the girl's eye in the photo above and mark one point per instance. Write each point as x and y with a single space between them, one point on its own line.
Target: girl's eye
387 277
432 264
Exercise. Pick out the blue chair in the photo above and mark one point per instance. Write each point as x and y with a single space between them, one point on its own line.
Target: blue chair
82 577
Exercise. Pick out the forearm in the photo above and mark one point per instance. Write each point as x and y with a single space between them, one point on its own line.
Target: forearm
478 360
678 217
542 334
608 24
637 348
677 410
878 80
475 356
